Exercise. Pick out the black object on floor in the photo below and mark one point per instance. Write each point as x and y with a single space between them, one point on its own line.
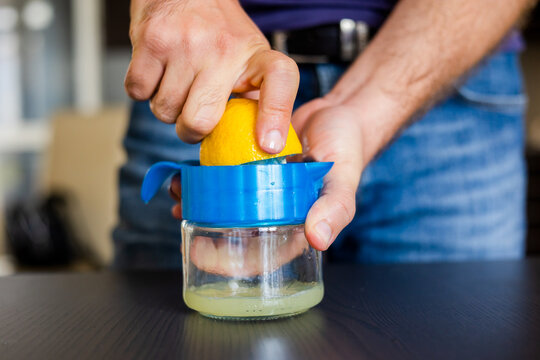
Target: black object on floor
39 231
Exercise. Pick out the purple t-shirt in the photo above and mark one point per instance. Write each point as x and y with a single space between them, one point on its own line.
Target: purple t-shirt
272 15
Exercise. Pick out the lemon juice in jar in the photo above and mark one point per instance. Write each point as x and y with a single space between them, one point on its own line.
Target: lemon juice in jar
247 273
219 301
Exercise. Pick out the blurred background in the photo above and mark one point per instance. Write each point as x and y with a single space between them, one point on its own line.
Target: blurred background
63 112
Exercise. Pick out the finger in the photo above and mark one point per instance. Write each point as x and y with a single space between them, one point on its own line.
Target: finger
176 211
143 75
203 254
333 210
175 188
243 259
204 105
167 103
277 77
217 256
174 196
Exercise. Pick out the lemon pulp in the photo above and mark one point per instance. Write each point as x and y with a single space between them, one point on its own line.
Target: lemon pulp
221 300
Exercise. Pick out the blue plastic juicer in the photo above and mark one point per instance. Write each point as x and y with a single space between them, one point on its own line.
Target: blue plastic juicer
242 195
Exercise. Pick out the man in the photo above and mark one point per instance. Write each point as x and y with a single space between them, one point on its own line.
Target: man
448 187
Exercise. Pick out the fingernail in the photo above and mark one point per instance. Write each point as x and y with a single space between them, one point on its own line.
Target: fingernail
324 232
273 141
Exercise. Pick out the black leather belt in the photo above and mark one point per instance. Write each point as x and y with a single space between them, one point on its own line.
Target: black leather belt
324 44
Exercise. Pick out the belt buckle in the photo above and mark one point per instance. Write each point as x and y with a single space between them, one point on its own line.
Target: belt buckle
353 36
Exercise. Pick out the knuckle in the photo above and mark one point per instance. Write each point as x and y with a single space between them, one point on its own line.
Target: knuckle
282 64
165 108
136 88
211 97
203 126
226 44
193 33
274 108
181 132
200 126
186 134
133 31
158 40
256 41
347 206
201 117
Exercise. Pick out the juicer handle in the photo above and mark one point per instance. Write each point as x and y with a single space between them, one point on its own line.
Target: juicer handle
156 176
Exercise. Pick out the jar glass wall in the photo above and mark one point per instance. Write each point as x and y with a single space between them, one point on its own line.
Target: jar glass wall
246 273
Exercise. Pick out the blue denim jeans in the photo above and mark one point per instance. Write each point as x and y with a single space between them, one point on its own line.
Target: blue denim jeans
450 187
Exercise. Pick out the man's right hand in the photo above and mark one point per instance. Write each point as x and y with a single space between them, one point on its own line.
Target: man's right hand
190 55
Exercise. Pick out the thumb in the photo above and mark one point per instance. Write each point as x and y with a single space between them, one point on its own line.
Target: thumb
333 134
333 211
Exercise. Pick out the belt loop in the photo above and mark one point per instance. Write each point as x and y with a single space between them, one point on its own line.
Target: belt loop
347 39
362 36
279 41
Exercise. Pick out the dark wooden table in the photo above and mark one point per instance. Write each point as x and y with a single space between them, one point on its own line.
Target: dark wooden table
441 311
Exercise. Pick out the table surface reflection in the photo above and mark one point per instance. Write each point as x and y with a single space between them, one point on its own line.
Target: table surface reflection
431 311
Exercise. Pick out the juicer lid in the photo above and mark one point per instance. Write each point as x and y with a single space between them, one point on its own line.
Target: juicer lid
241 195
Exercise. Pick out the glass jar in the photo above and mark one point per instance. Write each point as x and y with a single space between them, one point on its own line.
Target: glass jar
250 273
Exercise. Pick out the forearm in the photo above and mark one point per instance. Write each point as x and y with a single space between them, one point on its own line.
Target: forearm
423 48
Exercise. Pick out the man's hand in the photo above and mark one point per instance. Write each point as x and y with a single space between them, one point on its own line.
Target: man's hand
420 51
331 132
190 55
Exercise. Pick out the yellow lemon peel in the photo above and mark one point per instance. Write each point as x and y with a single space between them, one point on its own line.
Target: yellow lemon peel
233 141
